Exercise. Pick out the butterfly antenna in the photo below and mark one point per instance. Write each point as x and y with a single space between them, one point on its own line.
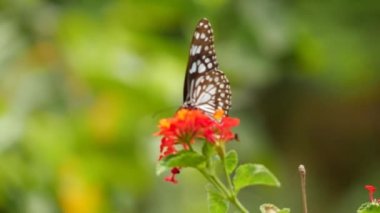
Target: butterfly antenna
302 172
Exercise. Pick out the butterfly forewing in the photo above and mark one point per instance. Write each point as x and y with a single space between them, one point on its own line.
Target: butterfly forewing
206 88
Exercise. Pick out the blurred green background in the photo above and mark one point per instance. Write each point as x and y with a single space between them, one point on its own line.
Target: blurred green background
84 83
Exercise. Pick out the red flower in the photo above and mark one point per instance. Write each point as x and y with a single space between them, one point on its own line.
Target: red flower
371 189
187 125
171 178
183 128
221 131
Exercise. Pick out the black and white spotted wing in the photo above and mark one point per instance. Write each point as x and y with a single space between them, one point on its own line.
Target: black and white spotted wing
206 87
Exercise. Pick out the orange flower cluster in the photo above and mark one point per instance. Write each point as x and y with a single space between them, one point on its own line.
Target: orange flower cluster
187 125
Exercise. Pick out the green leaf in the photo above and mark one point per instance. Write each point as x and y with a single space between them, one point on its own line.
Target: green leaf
183 158
270 208
207 149
369 208
253 174
231 161
216 202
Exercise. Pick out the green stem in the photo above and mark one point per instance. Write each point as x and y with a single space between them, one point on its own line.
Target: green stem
222 186
229 194
233 197
215 181
228 177
238 205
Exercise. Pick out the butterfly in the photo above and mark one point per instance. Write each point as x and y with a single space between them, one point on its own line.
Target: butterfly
206 87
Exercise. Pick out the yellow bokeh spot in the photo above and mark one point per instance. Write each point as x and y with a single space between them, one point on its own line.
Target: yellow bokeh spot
104 117
75 194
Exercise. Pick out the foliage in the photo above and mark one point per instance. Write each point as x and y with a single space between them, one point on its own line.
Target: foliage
369 207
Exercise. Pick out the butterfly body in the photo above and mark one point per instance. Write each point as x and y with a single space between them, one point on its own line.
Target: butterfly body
206 87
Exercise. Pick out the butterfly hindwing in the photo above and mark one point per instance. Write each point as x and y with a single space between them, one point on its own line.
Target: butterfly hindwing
206 88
